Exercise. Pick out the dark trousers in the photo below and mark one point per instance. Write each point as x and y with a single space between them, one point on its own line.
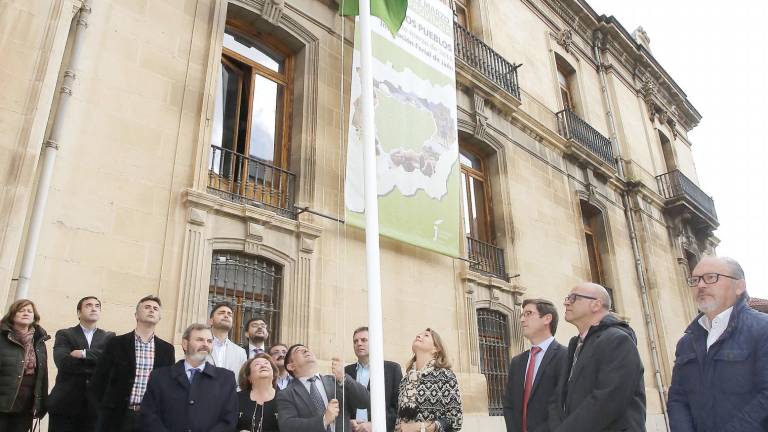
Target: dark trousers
110 421
15 422
63 423
130 421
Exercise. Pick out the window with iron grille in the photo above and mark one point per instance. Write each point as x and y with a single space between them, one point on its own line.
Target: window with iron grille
493 332
252 284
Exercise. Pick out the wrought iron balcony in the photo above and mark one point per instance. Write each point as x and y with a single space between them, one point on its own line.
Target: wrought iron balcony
572 127
250 181
682 194
482 58
486 258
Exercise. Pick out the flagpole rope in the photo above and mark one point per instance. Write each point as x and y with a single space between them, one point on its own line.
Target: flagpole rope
341 266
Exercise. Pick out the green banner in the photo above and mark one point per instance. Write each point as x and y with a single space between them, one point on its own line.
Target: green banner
416 138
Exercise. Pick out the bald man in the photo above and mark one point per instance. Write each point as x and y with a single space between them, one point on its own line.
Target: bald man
603 389
720 379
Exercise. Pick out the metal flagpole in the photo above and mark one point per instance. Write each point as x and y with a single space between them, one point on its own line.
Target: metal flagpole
375 325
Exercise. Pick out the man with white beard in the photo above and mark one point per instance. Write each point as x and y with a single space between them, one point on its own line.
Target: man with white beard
192 395
720 379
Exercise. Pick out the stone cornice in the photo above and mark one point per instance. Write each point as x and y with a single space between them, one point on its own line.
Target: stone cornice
668 99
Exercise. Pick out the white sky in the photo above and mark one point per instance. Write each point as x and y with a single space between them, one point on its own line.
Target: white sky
718 54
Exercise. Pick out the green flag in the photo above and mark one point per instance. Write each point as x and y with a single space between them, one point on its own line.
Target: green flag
392 12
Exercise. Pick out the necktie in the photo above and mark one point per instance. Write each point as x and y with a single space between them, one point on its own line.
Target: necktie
192 374
576 357
314 396
257 351
529 382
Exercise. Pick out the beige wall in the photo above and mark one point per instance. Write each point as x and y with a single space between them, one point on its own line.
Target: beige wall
129 215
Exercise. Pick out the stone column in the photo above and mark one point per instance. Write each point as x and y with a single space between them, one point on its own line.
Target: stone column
192 305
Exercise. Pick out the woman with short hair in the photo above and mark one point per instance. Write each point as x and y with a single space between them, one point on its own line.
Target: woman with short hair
256 398
23 367
429 399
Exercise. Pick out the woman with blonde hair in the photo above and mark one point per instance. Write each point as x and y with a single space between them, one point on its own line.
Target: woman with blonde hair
429 399
256 398
23 367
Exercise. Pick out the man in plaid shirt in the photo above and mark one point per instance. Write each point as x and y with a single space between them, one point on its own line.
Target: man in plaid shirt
121 377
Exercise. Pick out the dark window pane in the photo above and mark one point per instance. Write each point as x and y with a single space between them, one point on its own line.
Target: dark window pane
493 333
252 284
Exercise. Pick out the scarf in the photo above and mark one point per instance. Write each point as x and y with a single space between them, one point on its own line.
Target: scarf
27 342
409 404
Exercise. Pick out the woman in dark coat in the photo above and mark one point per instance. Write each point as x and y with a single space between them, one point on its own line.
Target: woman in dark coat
429 399
23 367
256 398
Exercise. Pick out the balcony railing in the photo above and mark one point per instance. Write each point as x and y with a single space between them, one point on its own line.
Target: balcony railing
675 184
247 180
486 258
572 127
485 60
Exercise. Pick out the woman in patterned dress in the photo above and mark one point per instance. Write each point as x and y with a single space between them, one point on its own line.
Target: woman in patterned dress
429 399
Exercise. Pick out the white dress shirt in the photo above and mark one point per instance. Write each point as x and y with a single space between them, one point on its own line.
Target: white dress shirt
88 334
251 347
363 376
717 326
539 357
220 351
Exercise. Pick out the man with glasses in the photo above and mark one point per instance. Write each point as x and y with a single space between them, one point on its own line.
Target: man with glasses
603 388
534 375
720 378
257 332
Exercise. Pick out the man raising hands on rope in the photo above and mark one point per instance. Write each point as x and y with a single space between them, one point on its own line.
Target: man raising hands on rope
311 403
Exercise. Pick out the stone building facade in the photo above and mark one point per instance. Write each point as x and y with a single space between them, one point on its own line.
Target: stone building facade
202 152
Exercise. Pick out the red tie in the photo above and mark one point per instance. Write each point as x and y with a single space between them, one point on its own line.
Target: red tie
529 382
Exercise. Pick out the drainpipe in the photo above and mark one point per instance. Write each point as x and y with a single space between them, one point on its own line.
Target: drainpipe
48 158
628 213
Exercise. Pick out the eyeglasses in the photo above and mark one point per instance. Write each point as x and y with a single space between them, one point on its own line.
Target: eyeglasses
570 298
708 278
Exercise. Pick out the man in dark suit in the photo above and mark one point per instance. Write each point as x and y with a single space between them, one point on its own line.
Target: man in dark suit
75 353
535 374
192 395
257 332
311 402
121 376
361 373
603 389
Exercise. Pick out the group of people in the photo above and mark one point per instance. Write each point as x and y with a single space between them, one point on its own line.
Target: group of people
131 382
719 379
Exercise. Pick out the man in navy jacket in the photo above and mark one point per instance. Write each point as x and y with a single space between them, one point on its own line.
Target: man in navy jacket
192 395
720 378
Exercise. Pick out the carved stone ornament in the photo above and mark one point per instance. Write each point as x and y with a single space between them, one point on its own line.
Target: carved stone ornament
481 118
565 39
273 10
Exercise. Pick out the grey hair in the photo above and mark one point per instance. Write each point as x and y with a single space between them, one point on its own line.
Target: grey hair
194 327
738 271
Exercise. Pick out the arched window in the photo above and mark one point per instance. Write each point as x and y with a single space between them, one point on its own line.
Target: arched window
461 12
493 332
596 245
252 284
477 214
667 153
566 80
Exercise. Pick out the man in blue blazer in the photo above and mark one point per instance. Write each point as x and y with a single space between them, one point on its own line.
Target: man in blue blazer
192 395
